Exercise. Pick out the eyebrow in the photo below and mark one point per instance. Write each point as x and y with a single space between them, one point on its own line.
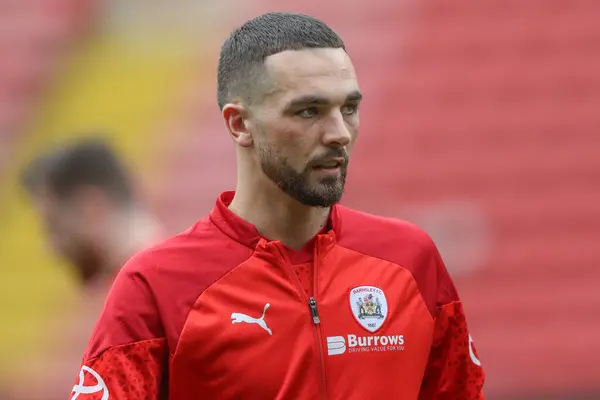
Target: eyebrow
354 96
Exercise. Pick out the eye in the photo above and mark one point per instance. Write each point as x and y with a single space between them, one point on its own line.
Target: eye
308 112
350 109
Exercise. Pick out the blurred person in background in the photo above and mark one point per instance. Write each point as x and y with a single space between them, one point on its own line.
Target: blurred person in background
280 292
86 200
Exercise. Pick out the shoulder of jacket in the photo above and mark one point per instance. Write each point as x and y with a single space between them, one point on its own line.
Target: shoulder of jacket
199 244
377 229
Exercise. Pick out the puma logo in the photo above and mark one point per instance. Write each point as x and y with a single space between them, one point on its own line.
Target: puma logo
239 317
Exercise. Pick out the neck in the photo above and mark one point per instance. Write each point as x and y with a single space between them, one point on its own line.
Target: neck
276 215
134 231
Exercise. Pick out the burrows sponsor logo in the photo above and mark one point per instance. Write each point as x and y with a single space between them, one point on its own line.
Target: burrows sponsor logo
337 345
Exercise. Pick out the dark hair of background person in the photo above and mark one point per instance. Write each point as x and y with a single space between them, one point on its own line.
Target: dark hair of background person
34 174
90 162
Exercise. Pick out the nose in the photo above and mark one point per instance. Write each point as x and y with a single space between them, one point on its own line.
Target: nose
336 131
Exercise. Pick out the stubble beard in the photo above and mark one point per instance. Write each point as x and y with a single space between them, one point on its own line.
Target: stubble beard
325 193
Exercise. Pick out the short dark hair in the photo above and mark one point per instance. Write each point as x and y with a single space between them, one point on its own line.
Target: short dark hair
33 176
246 49
89 162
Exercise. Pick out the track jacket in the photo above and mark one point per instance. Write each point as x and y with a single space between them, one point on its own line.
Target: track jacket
366 310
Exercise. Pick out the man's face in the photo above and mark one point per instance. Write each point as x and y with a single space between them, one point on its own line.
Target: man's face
306 123
70 234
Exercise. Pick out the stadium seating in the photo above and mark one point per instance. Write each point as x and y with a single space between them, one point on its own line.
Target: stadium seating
34 37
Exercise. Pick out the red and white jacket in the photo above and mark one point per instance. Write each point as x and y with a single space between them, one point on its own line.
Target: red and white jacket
366 310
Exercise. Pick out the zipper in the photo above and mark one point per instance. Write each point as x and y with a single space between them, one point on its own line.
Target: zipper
314 313
312 303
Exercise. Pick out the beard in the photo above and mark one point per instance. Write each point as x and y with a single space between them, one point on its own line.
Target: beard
324 193
87 263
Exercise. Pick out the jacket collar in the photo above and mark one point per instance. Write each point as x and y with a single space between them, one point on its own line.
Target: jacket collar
246 233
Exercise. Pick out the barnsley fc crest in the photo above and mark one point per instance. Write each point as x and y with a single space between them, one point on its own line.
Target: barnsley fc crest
369 307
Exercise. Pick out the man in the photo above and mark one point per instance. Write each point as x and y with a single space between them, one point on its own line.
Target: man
86 201
184 319
85 198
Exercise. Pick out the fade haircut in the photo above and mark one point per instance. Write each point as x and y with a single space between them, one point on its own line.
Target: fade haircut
90 162
243 54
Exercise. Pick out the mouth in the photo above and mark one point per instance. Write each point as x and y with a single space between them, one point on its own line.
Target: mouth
330 164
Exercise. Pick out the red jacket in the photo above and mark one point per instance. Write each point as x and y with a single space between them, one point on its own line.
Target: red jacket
366 311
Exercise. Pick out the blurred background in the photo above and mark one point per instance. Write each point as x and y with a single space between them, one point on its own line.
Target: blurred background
481 123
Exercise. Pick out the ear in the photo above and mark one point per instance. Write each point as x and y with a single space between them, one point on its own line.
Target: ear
235 116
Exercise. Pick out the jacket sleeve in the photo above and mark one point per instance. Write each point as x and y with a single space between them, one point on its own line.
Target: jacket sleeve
127 355
453 370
